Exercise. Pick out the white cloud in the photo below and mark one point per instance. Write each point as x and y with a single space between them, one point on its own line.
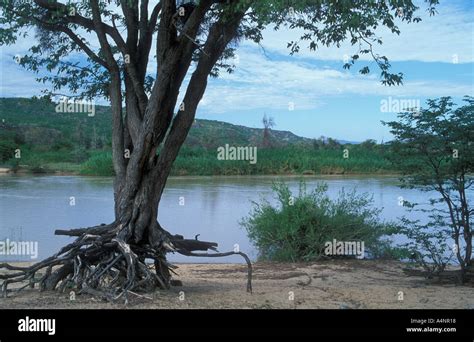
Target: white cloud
434 39
271 84
262 83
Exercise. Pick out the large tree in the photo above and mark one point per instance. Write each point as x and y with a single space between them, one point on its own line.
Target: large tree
195 38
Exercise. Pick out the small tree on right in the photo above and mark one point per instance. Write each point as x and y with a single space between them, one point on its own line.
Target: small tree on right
434 148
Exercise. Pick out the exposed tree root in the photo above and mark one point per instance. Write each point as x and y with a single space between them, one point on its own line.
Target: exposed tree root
208 255
102 264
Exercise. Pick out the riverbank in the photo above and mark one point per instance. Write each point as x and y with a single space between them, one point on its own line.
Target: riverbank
334 284
74 170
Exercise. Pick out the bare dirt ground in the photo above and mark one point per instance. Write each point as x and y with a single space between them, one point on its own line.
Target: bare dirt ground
351 284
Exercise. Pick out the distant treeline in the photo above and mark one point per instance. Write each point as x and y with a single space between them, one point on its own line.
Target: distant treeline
49 141
199 161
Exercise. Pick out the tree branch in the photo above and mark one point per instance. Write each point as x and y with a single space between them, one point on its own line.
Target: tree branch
146 37
220 34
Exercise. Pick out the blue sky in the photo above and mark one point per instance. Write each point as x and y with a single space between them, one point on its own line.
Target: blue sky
435 55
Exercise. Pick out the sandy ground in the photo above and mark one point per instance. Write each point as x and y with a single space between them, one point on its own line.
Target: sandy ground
352 284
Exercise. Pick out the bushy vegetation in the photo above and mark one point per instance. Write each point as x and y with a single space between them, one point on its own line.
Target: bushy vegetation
298 227
8 144
48 140
99 164
286 160
195 161
428 243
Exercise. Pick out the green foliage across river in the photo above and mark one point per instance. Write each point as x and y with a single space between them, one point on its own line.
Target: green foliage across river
78 143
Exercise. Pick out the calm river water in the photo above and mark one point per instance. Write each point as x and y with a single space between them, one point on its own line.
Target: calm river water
32 207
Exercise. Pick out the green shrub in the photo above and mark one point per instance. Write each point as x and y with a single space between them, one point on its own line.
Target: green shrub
79 155
99 164
428 244
7 149
298 228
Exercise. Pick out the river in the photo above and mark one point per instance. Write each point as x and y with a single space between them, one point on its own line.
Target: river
32 207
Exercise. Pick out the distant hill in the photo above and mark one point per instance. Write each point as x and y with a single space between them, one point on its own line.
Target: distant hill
211 133
37 123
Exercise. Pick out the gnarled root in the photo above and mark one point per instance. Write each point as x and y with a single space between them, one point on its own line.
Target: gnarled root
101 263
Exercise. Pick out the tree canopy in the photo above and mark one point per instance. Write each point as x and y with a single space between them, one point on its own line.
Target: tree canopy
128 29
